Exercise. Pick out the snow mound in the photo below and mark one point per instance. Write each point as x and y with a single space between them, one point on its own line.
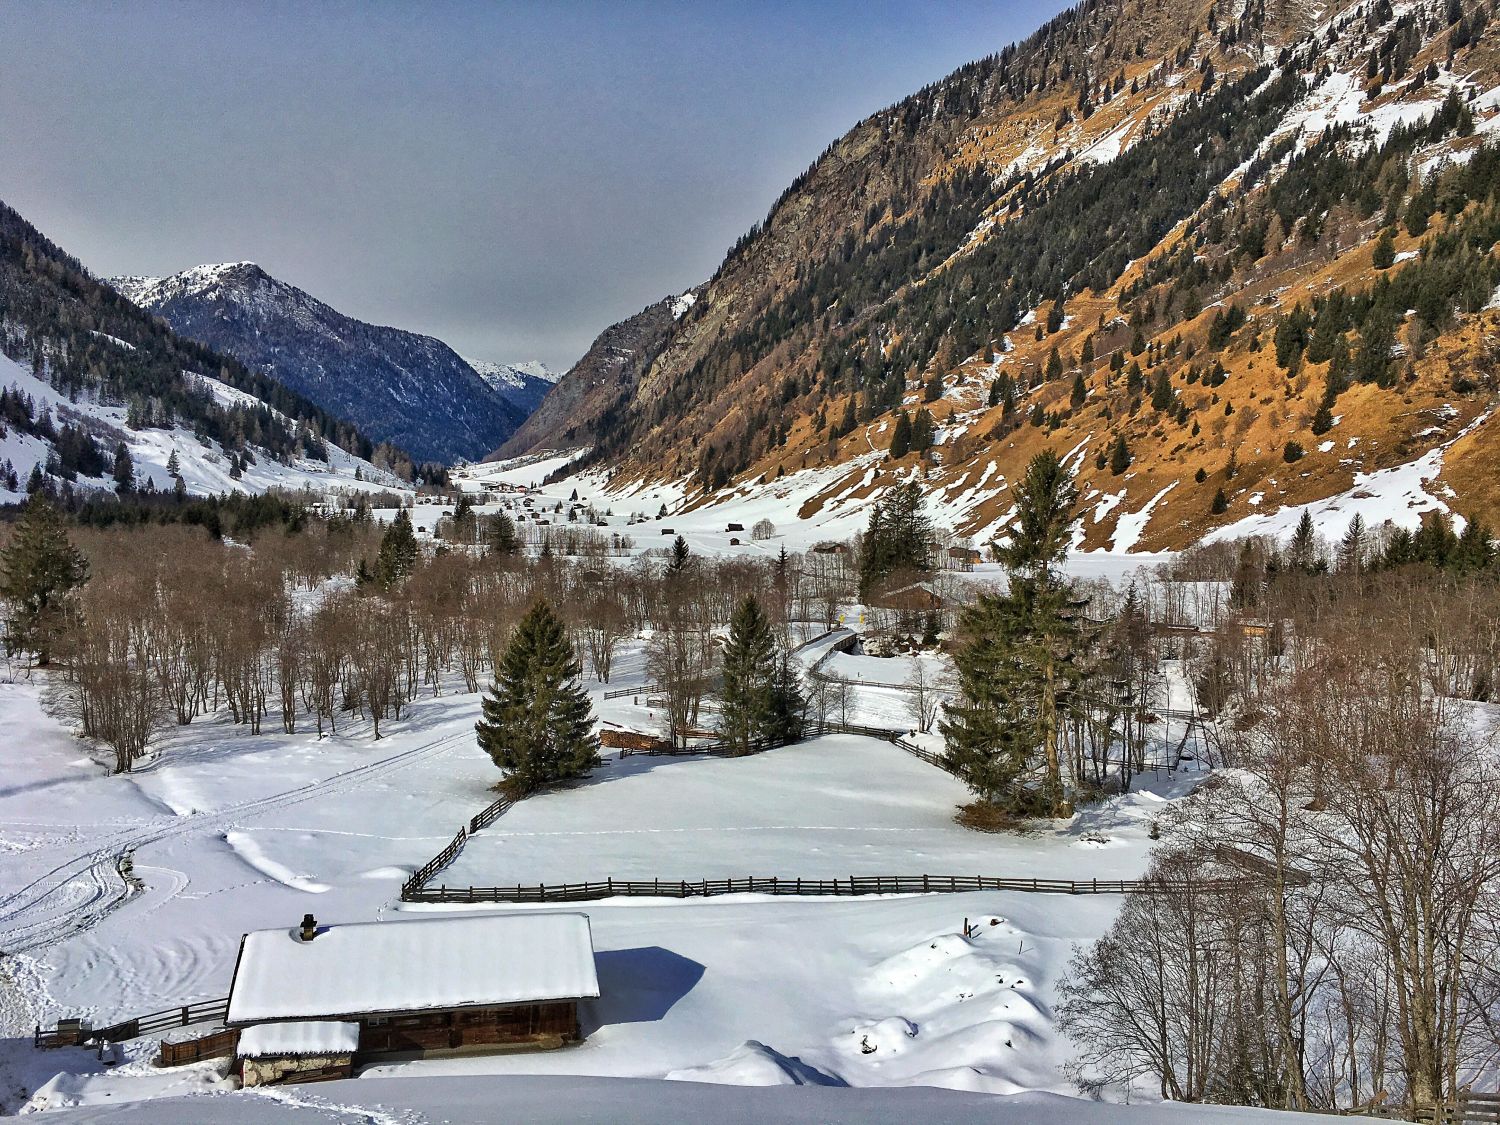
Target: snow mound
248 848
754 1064
958 1012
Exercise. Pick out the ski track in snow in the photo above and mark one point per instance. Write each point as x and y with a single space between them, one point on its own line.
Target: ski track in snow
78 893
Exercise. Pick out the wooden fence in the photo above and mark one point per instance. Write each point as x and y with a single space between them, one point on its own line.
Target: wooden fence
420 876
486 816
854 886
640 689
73 1034
1470 1108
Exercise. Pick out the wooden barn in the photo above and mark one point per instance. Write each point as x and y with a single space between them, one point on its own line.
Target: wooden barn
315 1001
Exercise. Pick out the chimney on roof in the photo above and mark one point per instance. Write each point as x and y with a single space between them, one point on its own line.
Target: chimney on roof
309 927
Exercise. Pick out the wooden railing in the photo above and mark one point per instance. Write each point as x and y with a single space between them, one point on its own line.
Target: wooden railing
204 1011
639 689
853 886
1470 1108
420 876
489 814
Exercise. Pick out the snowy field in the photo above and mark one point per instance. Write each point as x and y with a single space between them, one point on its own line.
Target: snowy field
230 832
831 807
623 1101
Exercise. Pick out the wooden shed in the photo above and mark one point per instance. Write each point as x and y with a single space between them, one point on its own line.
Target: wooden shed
429 986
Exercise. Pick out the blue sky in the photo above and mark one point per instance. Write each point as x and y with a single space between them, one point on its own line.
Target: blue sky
509 177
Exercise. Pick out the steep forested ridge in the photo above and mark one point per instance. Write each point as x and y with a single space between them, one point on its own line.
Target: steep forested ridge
88 339
1095 241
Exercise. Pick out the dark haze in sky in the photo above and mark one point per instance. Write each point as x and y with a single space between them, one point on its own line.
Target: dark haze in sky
509 177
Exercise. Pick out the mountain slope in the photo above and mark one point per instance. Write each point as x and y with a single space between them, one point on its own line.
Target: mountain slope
397 386
1099 240
83 371
587 399
523 385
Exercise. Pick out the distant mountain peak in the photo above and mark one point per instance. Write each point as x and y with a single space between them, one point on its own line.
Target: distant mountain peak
398 386
523 384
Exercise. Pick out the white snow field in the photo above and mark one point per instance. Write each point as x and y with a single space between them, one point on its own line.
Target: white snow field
625 1101
830 807
230 833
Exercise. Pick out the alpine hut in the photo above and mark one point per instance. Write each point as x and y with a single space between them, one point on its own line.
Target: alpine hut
315 1001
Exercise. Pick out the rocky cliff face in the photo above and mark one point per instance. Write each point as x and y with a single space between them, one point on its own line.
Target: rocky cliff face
397 386
1116 239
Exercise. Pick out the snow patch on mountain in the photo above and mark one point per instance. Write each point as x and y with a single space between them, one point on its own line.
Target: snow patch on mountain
203 465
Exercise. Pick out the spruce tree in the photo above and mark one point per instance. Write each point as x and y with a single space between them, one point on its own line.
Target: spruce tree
1079 393
1354 546
990 732
500 535
1162 397
680 560
1042 526
1019 655
901 436
398 551
1119 456
1384 254
748 673
536 722
923 430
850 419
124 469
897 538
1303 550
1474 549
39 570
788 703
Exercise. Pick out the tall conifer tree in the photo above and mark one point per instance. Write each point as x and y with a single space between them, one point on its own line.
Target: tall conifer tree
398 551
536 721
39 570
749 671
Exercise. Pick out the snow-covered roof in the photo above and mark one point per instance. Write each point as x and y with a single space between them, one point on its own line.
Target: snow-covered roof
299 1037
369 967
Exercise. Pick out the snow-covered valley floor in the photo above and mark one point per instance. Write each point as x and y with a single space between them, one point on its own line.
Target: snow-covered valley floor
232 832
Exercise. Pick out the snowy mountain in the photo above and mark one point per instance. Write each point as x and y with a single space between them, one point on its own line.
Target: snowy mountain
85 373
398 386
1226 259
206 467
523 385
